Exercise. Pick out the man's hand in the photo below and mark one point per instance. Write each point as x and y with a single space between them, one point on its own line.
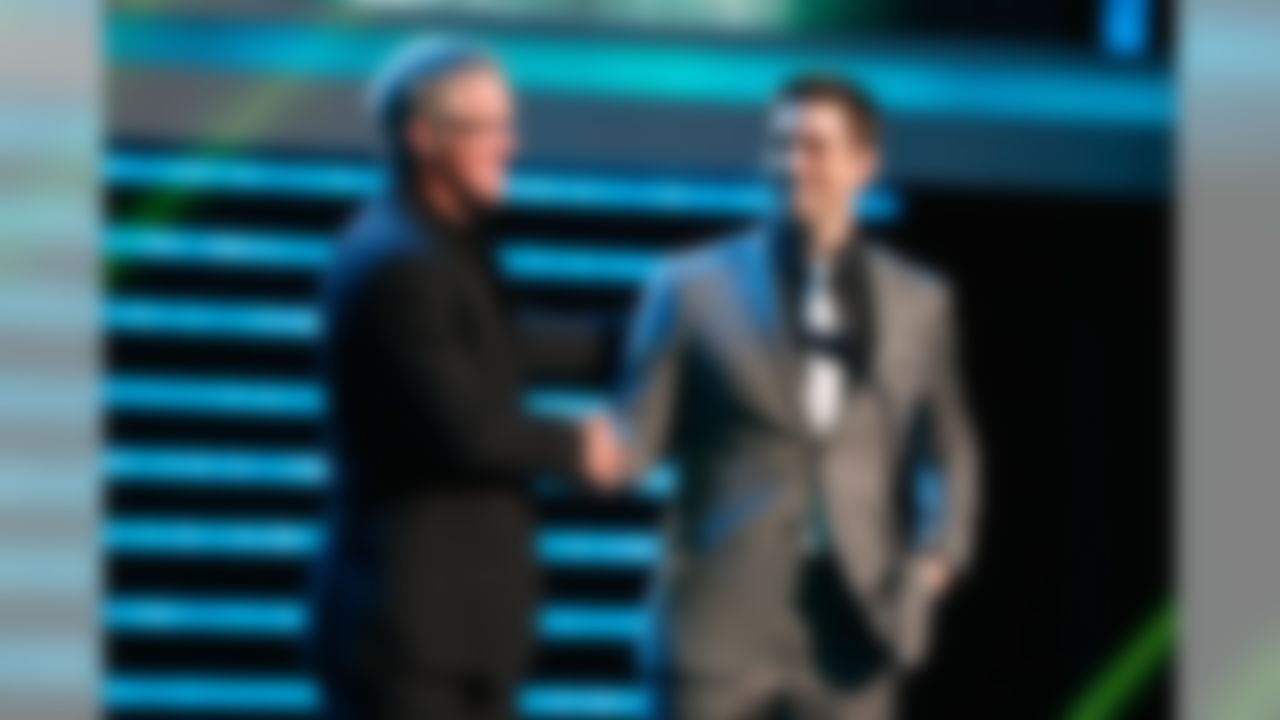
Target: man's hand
935 573
604 459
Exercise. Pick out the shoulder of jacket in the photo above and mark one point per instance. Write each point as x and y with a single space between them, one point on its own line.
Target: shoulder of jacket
377 247
908 273
708 258
383 229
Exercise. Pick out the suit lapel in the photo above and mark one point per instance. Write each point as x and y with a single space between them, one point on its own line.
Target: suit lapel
874 392
882 306
762 297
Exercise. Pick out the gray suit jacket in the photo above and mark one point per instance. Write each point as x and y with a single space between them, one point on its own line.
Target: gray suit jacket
709 378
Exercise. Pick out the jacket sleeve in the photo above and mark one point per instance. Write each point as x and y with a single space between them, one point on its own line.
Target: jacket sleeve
412 307
648 386
958 445
558 346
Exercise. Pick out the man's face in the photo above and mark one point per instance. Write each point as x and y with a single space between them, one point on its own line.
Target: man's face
817 161
467 133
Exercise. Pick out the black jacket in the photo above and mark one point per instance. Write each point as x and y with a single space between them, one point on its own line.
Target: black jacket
429 566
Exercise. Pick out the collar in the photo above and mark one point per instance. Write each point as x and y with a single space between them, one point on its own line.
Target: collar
791 258
470 239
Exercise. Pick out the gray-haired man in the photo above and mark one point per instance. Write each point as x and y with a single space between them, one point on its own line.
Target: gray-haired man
425 597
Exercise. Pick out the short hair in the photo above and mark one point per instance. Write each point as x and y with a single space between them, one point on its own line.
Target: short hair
854 101
412 69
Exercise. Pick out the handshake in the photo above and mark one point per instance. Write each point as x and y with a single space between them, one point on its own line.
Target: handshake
603 457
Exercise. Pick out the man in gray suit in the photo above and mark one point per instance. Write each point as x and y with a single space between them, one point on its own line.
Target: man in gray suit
789 372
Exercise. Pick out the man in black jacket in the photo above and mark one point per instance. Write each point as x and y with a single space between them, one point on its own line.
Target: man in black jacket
426 592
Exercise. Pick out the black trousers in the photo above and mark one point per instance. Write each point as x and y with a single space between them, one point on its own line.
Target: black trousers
459 696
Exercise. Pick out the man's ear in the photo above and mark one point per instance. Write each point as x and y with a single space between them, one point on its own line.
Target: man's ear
419 138
869 162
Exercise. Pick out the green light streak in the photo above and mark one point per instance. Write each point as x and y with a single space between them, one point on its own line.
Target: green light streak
243 118
1121 680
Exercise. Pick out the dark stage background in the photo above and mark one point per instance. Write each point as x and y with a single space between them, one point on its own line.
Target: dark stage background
1029 160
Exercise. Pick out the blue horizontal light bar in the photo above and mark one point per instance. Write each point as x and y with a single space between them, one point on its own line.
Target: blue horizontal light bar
350 180
212 319
213 467
257 397
182 616
218 248
253 397
336 180
945 82
585 547
594 623
671 195
275 540
247 397
173 694
531 262
237 539
264 617
582 700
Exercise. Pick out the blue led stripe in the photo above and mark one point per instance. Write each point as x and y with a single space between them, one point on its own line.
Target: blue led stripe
588 547
537 189
180 616
580 700
1004 85
212 319
242 174
213 467
265 618
215 396
247 250
594 623
530 262
670 195
266 540
275 540
255 398
173 694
